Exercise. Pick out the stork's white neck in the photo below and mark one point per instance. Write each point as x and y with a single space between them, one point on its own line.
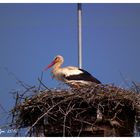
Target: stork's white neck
57 66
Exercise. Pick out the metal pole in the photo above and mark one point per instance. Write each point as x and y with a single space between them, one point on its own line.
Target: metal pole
79 8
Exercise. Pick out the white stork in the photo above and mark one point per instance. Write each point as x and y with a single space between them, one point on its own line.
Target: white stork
73 76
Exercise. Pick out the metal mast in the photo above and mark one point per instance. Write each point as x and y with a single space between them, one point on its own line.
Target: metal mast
79 9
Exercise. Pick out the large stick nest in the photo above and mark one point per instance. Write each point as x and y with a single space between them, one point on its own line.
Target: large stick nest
103 110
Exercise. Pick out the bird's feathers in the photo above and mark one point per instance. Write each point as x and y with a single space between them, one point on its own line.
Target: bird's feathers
68 71
71 75
82 75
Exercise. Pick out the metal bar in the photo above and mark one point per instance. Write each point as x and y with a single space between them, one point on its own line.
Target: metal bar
79 9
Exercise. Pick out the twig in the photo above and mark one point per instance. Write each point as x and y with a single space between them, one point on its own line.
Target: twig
40 80
136 88
26 91
17 97
80 129
126 82
3 109
65 117
43 84
82 121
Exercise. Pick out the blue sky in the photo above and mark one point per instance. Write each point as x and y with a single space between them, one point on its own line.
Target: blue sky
31 35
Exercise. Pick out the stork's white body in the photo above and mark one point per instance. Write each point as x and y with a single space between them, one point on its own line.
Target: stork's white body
62 74
71 75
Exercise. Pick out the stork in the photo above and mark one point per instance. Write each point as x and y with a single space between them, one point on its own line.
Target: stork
73 76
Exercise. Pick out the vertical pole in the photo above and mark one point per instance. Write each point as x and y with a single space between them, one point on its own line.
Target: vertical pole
79 9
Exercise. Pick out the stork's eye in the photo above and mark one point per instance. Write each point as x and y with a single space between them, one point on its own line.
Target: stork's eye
56 59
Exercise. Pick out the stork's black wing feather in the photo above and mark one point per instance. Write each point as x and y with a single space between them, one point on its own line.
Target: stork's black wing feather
83 76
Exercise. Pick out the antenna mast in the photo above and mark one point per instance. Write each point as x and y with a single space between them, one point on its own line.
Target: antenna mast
79 9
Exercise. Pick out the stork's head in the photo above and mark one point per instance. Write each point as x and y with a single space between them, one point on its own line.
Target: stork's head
58 60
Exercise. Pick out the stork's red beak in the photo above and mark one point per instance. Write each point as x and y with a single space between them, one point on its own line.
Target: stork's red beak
50 65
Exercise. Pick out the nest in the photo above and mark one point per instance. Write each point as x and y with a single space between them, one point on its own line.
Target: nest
95 110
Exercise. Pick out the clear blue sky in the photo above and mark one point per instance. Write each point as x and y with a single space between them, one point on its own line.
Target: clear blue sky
31 35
